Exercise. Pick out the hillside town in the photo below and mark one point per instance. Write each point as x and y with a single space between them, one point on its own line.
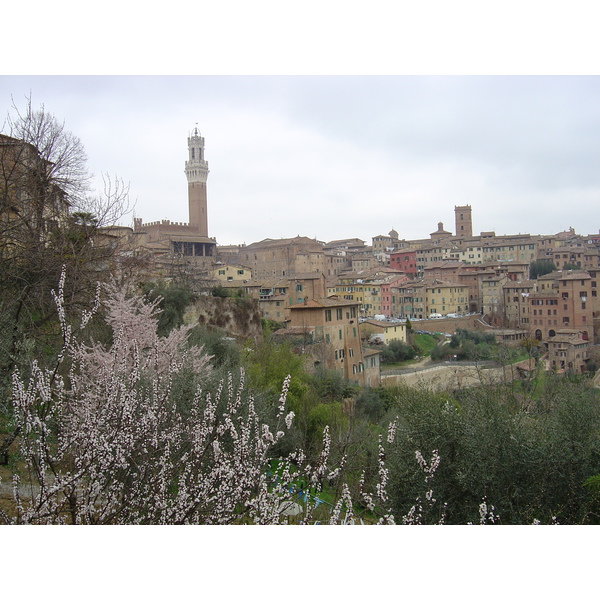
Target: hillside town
323 290
149 374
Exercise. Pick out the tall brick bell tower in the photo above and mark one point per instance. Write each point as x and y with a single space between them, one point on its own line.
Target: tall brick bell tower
196 171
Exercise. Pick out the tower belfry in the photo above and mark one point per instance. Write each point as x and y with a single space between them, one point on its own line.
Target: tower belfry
196 171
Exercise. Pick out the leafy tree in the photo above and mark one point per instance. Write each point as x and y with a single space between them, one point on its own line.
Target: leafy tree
373 403
469 345
540 267
267 365
220 292
269 326
530 460
330 386
397 351
441 350
225 353
172 300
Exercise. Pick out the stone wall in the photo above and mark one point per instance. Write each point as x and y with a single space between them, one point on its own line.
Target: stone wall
450 325
236 317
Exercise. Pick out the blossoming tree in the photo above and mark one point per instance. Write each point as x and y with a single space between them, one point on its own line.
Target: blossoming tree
106 438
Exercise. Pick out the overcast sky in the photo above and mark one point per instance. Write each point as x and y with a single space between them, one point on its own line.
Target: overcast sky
320 155
333 157
330 157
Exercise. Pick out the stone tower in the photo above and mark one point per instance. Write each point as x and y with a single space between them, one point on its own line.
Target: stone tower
196 171
464 223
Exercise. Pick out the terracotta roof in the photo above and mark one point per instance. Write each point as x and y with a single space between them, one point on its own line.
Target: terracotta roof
574 275
370 352
269 243
325 303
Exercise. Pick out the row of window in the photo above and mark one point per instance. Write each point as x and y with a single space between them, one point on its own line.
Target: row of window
460 300
547 301
339 314
340 335
565 321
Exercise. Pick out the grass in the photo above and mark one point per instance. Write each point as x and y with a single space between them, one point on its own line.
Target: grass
424 342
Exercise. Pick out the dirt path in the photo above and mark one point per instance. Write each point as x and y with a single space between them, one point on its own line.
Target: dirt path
447 376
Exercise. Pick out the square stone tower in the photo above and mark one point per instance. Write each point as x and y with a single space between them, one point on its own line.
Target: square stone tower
464 223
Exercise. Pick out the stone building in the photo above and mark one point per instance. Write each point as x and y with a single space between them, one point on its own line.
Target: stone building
492 298
405 261
568 350
329 328
440 234
561 300
284 257
515 301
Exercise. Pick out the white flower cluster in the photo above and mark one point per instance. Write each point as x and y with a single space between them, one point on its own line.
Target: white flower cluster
486 514
416 514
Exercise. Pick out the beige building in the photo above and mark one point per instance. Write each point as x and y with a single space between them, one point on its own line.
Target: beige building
330 328
446 298
372 362
411 300
578 257
384 332
364 261
492 298
384 245
511 248
336 262
365 287
223 272
277 294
